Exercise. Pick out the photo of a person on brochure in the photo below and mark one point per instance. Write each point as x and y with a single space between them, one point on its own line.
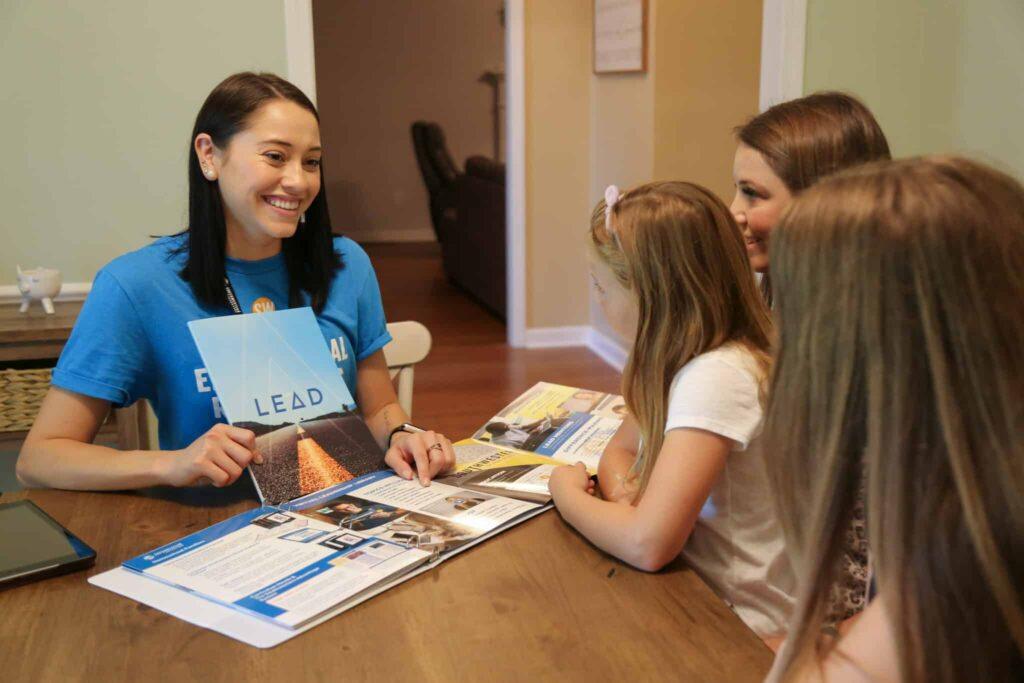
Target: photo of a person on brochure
526 437
357 514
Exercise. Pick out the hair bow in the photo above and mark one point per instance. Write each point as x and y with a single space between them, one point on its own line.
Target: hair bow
611 198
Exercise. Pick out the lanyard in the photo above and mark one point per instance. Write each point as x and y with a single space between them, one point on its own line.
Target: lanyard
232 299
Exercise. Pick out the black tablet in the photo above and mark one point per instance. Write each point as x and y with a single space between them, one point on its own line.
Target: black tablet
34 546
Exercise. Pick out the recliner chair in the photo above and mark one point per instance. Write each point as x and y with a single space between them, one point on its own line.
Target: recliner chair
467 211
439 173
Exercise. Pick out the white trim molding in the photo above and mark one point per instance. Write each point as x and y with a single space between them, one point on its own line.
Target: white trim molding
608 348
298 45
783 36
552 337
515 188
69 291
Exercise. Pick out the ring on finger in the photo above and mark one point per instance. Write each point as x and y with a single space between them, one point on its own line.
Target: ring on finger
436 447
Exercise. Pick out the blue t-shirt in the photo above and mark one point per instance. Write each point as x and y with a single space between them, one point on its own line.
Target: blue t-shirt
131 340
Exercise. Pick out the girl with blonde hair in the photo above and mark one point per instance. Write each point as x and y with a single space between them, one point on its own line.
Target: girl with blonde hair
899 372
670 271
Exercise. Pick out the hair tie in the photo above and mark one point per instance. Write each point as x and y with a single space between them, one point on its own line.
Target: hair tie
611 198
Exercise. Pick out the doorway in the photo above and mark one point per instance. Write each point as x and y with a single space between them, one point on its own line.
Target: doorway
411 99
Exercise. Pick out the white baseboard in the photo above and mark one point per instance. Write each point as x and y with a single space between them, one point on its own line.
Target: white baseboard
425 235
609 349
551 337
69 291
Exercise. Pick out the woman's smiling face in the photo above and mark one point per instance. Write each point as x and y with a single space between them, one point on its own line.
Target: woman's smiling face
760 199
268 175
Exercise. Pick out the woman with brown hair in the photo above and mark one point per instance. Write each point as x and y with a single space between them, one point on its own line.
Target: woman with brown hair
899 372
782 152
788 148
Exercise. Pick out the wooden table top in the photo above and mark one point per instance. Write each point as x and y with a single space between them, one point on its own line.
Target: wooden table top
535 603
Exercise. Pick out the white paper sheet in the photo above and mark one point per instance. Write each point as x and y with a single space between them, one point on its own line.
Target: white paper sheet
224 620
192 609
231 623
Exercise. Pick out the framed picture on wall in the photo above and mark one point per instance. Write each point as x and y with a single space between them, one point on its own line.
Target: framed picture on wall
620 36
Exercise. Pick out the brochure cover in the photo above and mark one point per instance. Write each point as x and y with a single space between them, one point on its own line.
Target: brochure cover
273 375
564 423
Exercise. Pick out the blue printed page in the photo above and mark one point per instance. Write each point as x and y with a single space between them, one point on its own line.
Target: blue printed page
278 565
566 424
274 375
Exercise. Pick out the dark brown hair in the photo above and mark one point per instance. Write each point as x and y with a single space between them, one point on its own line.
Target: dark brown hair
309 253
806 139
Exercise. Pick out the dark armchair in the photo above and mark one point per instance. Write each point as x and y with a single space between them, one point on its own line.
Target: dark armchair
439 173
467 210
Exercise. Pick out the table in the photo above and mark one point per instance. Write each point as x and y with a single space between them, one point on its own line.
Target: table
36 336
535 603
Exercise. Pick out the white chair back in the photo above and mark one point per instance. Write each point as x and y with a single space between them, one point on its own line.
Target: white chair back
410 344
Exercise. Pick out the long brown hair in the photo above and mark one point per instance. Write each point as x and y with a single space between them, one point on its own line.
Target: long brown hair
677 248
806 139
900 317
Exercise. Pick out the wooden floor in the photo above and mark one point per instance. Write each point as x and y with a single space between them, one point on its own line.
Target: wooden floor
471 372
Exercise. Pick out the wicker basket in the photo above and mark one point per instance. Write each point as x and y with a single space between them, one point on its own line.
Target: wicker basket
21 394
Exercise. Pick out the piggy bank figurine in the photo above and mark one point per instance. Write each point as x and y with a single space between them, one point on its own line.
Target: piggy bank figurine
42 284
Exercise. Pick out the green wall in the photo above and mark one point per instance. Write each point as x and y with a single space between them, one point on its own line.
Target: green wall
98 105
941 76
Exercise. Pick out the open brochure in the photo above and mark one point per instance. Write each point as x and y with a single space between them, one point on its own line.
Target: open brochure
560 423
335 526
291 563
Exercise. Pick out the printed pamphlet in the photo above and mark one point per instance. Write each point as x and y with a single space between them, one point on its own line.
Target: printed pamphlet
336 526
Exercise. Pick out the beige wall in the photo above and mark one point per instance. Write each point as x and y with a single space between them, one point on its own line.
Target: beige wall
708 59
99 101
675 122
379 67
557 76
945 77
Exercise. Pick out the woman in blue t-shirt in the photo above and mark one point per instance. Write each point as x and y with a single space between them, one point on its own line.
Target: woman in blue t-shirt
259 239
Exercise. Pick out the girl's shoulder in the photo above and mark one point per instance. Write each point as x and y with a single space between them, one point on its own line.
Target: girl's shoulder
730 358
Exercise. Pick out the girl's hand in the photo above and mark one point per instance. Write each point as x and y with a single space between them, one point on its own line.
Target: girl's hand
429 453
570 477
218 456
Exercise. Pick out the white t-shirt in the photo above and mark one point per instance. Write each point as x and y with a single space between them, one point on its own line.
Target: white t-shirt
736 545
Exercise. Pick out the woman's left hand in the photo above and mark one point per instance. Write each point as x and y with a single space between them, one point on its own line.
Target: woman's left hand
570 477
425 454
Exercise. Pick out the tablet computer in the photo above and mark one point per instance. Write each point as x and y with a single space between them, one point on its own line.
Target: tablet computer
34 546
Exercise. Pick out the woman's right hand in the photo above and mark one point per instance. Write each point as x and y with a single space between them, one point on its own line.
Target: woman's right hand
219 456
